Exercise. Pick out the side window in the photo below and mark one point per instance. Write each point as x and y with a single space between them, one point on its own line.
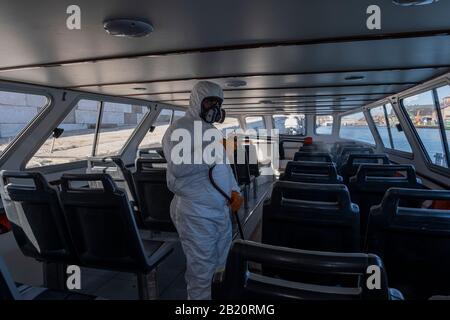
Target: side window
162 122
354 127
398 136
117 123
324 125
379 118
290 124
178 114
17 110
424 116
255 123
389 128
72 140
229 126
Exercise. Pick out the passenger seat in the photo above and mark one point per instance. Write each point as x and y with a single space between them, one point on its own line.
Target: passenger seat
313 156
311 217
121 175
239 282
341 158
372 181
104 232
34 211
354 160
311 172
413 242
154 197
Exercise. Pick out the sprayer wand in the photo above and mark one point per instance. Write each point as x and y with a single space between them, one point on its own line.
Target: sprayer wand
226 196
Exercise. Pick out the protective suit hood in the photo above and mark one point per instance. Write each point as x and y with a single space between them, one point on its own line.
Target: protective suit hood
202 90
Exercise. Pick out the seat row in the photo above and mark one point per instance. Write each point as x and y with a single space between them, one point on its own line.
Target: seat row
146 189
410 236
86 220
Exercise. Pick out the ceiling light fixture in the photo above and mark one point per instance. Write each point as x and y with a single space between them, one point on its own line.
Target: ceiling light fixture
236 83
128 28
354 78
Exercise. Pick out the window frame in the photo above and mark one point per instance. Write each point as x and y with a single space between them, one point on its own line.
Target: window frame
368 127
158 112
42 113
255 116
73 104
315 124
289 114
429 163
238 122
98 132
392 149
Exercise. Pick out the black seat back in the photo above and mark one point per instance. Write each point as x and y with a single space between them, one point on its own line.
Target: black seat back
372 181
115 167
339 145
36 216
346 151
350 167
152 153
309 148
313 156
153 195
413 242
101 223
239 282
312 217
312 172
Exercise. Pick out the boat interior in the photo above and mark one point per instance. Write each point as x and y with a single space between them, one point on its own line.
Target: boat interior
345 131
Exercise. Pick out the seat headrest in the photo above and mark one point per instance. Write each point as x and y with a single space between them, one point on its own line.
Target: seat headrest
354 158
313 156
237 280
359 150
37 178
395 208
283 190
305 167
405 193
143 164
107 182
380 173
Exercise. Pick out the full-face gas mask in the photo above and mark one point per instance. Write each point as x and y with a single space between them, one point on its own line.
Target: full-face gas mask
211 110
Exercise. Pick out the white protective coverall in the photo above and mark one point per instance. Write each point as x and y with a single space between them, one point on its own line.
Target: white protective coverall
199 212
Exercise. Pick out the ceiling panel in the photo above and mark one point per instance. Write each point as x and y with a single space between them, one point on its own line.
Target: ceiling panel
379 91
36 32
267 81
404 53
295 53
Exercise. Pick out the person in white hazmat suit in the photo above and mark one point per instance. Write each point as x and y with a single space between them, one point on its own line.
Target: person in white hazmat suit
199 211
